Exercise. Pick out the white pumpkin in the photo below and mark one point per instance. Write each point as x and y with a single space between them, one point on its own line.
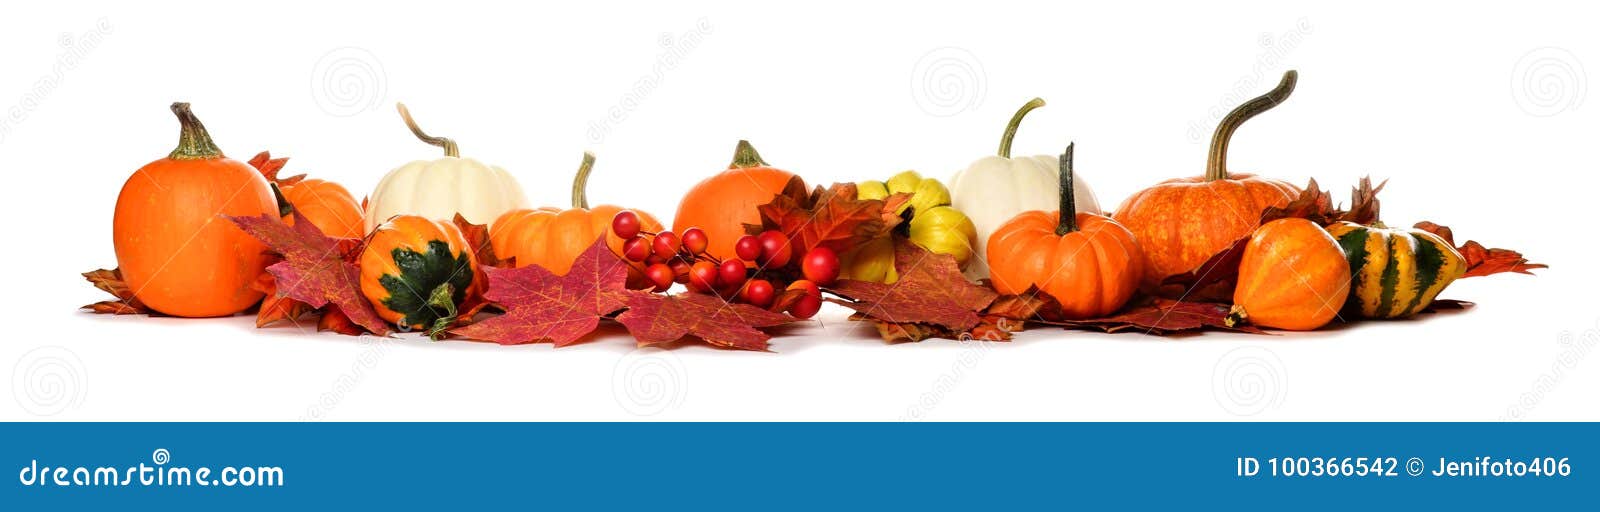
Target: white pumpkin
996 188
439 189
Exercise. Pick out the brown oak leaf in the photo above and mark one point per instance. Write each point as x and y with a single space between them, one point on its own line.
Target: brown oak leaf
542 306
931 290
1480 260
315 267
1314 204
110 281
270 167
654 318
830 217
477 236
1363 203
1163 316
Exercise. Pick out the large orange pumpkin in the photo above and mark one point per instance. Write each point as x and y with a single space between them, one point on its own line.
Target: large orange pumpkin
722 204
1293 276
1090 264
176 252
553 238
327 205
1181 223
407 260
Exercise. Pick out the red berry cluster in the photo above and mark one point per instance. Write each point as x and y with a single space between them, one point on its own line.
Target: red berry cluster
749 277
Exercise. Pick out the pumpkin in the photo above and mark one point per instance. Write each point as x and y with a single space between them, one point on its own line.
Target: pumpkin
996 188
932 224
553 238
410 259
439 189
176 252
1292 276
1183 222
722 204
1395 273
1090 264
327 205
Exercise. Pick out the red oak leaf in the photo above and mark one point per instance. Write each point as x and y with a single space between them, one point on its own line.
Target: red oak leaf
654 318
315 267
830 217
931 290
1480 260
543 306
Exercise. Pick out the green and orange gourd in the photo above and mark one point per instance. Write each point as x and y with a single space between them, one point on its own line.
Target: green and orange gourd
418 271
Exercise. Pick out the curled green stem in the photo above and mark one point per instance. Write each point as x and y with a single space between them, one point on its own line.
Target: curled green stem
1217 160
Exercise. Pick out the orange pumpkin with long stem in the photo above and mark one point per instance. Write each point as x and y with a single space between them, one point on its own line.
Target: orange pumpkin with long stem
327 205
176 252
1090 264
1181 223
722 204
552 238
1293 276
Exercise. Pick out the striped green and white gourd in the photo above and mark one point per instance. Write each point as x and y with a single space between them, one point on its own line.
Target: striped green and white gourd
1395 273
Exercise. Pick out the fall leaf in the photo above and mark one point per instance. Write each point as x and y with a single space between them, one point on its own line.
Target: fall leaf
931 290
543 306
269 168
110 281
1363 203
654 318
1212 281
315 269
276 307
833 217
1314 204
1163 316
477 236
1482 261
334 320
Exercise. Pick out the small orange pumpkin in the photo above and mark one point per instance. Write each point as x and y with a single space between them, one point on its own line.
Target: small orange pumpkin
408 260
1090 264
327 205
722 204
1293 276
1182 222
553 238
176 252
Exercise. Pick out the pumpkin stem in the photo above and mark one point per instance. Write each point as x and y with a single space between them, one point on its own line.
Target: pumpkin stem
745 156
194 142
1069 209
580 182
284 206
1217 161
450 148
1016 120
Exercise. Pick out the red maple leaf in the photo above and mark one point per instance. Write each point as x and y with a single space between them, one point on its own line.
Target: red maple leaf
931 290
274 307
477 236
1480 260
654 318
543 306
315 269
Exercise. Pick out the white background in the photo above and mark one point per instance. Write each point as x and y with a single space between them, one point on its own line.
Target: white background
1480 117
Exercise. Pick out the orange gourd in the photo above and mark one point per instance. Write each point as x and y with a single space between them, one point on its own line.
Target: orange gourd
406 263
327 205
1182 222
553 238
1090 264
176 251
722 204
1293 276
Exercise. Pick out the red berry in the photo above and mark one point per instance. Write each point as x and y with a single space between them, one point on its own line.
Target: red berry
775 250
660 275
820 266
666 245
703 276
680 269
758 293
695 240
810 287
636 249
748 248
625 224
731 273
806 306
